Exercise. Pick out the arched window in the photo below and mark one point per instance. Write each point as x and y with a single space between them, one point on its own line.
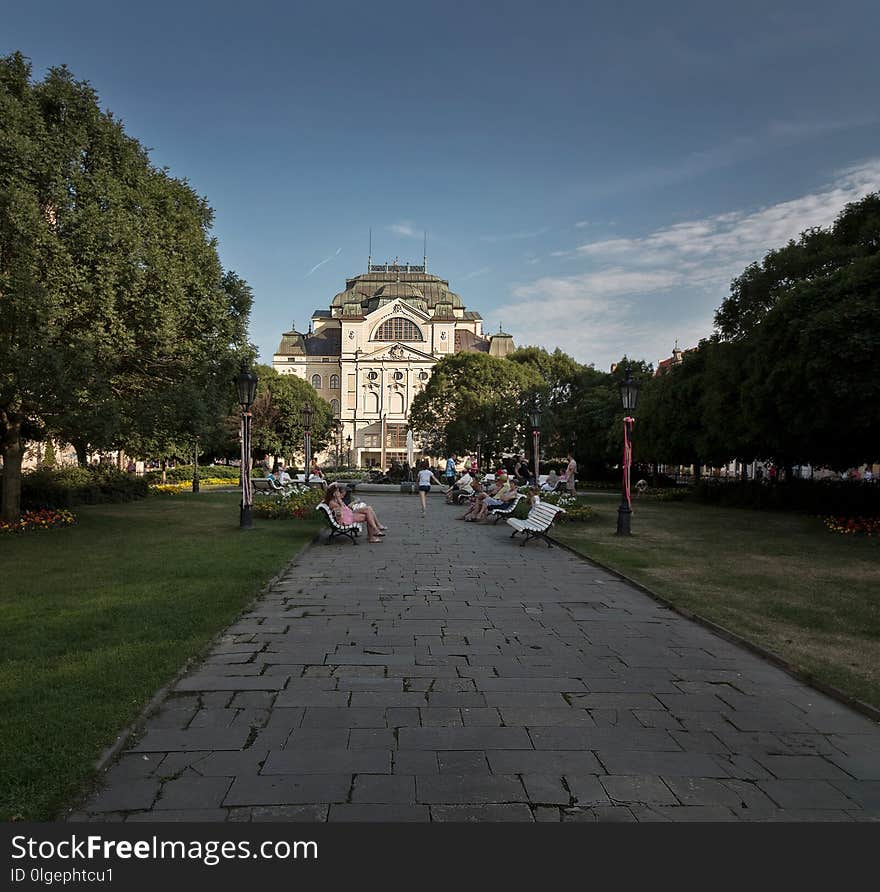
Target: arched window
334 382
316 382
398 329
334 406
396 402
371 402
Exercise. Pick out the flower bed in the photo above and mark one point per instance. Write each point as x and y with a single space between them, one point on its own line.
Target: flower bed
297 505
853 526
576 510
41 519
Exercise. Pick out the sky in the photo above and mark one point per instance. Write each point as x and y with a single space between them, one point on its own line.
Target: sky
590 176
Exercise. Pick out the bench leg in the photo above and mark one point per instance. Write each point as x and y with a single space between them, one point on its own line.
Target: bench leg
514 533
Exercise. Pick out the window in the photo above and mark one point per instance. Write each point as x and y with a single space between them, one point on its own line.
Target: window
423 376
316 382
398 376
334 406
398 329
372 375
334 382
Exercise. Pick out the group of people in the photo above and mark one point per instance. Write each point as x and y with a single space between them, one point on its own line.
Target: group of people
334 498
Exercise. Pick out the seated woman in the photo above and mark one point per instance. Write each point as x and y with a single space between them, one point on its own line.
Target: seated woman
364 514
551 482
501 486
497 501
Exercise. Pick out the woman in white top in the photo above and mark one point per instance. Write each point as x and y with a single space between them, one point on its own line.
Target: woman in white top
426 477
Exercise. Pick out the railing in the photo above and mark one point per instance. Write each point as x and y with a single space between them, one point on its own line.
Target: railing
396 268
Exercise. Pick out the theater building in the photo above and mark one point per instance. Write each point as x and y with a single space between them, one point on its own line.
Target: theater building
374 349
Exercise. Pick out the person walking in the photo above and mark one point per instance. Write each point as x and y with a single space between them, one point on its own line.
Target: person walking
571 474
426 477
450 471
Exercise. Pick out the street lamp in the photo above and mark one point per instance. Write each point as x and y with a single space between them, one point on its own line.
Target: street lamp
337 424
479 450
629 398
307 415
535 417
348 444
246 383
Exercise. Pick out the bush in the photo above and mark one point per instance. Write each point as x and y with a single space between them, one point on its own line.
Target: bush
66 487
183 473
576 510
825 497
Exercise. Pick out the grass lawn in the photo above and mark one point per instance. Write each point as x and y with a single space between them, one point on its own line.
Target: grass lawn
780 580
98 616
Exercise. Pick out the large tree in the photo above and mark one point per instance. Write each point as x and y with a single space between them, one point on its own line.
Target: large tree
116 317
277 414
470 394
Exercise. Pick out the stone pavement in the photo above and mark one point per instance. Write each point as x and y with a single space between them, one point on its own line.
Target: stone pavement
449 675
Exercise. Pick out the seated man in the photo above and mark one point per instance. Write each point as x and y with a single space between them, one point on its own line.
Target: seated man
497 501
282 477
464 484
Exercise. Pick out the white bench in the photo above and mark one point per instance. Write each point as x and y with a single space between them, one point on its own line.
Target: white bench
536 525
336 528
507 509
264 484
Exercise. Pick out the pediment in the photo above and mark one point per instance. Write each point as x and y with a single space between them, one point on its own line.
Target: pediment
397 353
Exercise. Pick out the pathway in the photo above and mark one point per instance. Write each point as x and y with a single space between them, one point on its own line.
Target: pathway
449 675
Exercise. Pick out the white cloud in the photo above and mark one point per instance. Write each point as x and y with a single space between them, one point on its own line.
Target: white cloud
622 303
406 228
482 271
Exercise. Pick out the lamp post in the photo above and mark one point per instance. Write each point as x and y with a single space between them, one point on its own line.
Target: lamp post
337 424
195 480
535 417
479 450
629 398
246 383
348 444
307 414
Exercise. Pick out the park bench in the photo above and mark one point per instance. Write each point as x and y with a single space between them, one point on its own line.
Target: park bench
265 485
336 528
507 509
536 525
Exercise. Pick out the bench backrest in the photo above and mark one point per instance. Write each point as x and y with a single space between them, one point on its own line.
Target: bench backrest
328 513
543 514
510 506
263 484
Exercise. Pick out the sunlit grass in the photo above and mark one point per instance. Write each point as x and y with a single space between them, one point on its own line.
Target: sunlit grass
98 616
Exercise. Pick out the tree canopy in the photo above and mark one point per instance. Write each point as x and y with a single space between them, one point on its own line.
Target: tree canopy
118 324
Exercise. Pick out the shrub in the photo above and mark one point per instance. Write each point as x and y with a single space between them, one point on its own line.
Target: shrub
823 497
66 487
185 472
576 510
853 526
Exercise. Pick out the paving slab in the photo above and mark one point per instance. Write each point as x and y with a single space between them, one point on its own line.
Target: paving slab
449 675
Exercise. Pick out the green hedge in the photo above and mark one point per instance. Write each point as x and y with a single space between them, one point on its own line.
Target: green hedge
810 496
182 473
66 487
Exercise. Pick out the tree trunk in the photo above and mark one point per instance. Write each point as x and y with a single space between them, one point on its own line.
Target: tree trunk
655 473
164 469
13 452
697 469
82 453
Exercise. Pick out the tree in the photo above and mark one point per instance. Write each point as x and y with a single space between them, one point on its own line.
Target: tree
117 323
471 393
277 414
558 372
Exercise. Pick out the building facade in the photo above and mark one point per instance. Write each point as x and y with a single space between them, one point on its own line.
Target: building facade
374 350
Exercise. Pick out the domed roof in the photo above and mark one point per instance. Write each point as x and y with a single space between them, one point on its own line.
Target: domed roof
398 289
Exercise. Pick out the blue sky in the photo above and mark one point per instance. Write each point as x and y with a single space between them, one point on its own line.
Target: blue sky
592 175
